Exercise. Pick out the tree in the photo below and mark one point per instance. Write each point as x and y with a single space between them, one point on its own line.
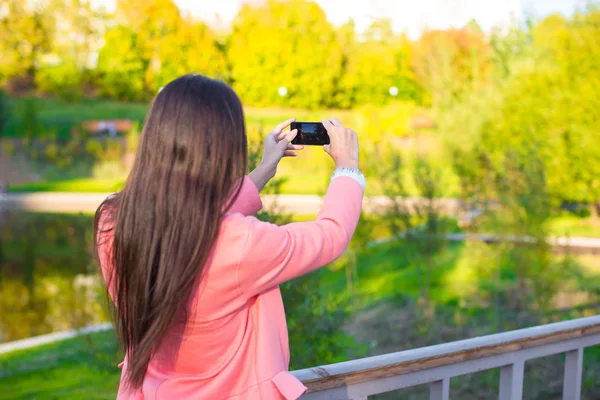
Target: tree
26 29
66 71
380 61
192 48
451 62
121 67
152 45
284 44
545 106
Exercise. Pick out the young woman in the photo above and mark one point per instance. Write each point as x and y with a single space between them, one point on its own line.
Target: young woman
194 277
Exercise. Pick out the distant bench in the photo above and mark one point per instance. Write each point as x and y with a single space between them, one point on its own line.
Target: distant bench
110 127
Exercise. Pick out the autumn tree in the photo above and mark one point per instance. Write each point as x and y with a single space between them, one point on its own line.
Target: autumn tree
378 62
451 62
121 66
546 107
284 44
78 28
26 29
191 49
152 45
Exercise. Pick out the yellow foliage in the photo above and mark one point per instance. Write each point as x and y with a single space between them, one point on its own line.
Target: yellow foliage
379 123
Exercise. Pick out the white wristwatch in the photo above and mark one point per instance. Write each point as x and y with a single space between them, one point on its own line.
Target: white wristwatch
353 173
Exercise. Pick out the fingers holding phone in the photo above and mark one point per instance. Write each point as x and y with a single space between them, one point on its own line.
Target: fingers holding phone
343 147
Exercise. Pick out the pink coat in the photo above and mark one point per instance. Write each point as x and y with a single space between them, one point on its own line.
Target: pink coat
236 342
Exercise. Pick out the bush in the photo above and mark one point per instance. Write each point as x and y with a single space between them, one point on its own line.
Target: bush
64 81
379 123
94 149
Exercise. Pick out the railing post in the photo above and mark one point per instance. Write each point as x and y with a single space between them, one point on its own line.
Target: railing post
439 390
511 381
572 376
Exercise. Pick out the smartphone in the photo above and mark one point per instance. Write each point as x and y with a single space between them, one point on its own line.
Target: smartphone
310 133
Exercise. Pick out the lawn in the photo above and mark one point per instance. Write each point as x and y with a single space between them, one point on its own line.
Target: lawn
570 225
62 116
80 185
81 368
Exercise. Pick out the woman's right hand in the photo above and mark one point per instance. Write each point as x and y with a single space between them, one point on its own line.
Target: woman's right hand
343 147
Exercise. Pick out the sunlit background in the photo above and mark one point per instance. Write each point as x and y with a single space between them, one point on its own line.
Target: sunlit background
475 118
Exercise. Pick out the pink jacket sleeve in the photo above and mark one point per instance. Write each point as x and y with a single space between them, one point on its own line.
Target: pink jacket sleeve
275 254
248 202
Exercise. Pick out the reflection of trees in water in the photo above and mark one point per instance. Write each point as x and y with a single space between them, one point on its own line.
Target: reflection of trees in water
48 281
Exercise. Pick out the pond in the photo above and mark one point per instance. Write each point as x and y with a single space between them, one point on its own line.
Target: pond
48 278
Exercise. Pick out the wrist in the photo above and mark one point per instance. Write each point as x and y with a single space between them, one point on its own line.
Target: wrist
267 170
347 164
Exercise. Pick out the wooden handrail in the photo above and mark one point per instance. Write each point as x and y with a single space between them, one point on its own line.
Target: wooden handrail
393 364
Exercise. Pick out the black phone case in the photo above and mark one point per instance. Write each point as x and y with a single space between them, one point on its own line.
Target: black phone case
319 138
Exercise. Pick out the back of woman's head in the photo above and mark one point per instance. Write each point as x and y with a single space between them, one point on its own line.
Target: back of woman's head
191 158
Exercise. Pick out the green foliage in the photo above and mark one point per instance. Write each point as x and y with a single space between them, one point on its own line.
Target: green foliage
268 49
192 48
26 31
153 45
542 105
120 67
64 81
377 63
450 63
381 123
94 148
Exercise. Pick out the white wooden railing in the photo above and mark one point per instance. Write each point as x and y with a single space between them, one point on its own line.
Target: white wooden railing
436 365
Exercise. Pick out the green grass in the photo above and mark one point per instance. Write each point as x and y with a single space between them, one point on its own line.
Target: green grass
81 368
82 185
62 116
569 225
393 269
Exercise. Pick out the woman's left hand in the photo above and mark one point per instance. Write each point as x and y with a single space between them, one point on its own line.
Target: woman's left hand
277 145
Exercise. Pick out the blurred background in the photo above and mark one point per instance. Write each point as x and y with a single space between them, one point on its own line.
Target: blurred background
479 124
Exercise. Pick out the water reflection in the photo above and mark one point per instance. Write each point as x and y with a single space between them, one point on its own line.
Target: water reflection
48 278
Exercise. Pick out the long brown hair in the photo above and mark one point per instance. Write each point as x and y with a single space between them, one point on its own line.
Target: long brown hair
191 158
